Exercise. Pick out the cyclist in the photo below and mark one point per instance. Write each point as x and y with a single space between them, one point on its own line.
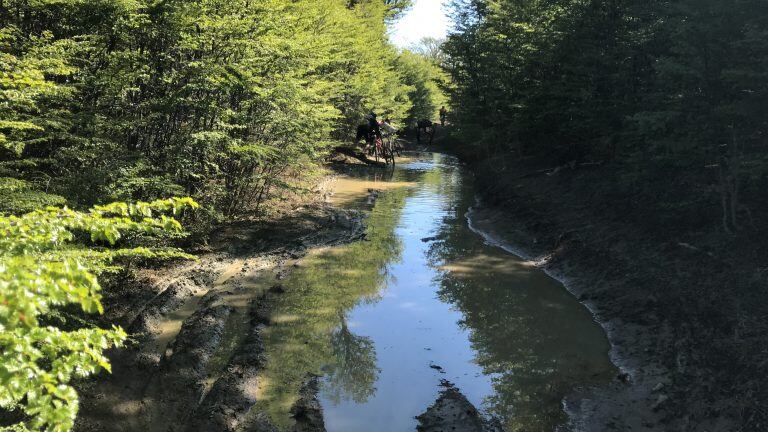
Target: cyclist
387 127
373 127
389 134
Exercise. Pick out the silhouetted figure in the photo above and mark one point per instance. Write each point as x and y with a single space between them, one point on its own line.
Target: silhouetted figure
428 127
369 130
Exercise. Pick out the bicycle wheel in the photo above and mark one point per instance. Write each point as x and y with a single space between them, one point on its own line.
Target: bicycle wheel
389 148
394 147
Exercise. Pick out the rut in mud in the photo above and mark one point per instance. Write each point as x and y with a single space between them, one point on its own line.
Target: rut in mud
197 352
385 312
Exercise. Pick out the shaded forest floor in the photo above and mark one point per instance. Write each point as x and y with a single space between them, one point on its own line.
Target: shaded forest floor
682 302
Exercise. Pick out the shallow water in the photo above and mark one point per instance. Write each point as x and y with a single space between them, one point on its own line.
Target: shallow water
420 300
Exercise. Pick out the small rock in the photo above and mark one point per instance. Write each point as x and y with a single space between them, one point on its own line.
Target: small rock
624 377
451 412
307 411
659 402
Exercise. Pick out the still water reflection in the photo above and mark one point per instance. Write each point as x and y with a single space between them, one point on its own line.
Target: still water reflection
423 299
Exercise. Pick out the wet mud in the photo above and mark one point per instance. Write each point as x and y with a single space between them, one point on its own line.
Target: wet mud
453 412
196 349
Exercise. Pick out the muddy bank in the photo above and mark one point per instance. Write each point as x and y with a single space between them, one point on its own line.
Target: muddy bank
453 412
628 402
196 331
632 282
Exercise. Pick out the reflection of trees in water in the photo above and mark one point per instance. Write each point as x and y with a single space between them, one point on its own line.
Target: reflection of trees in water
364 172
308 333
353 371
528 350
527 379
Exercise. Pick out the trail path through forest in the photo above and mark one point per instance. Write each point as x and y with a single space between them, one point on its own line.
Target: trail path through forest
379 310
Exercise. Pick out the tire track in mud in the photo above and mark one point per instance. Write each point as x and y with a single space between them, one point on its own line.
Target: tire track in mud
198 353
197 350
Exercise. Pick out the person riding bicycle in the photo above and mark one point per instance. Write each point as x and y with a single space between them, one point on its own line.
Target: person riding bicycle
387 127
390 140
373 127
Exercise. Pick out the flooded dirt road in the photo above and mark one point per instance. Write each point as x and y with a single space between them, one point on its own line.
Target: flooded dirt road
422 299
355 315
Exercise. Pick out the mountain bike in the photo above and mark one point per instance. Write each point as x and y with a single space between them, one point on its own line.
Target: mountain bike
383 148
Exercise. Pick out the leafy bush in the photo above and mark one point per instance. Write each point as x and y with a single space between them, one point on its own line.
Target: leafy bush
18 197
42 270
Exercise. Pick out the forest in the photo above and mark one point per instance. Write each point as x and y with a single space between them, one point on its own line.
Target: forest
648 116
130 130
671 90
110 108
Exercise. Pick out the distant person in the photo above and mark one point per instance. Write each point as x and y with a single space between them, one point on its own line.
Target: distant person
390 131
373 125
370 130
443 115
427 127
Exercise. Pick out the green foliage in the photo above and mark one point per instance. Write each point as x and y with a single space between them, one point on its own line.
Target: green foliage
427 81
225 101
31 67
430 48
42 270
19 196
668 97
639 82
394 8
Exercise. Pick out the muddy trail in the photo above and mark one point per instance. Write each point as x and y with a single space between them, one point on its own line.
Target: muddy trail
196 348
379 310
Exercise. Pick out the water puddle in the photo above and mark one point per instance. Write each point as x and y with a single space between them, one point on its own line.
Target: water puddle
170 326
420 300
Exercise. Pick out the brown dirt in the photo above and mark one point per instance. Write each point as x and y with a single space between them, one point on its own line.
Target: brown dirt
453 412
197 352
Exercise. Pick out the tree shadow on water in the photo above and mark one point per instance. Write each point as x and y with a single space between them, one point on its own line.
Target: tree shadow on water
353 372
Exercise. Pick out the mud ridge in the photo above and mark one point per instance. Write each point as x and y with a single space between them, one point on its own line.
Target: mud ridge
180 382
205 376
170 299
234 393
453 412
